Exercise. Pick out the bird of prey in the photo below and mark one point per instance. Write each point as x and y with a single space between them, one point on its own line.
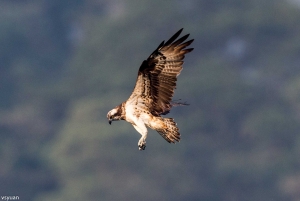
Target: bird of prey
153 91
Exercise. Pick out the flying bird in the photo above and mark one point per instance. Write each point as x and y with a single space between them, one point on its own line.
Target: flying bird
153 92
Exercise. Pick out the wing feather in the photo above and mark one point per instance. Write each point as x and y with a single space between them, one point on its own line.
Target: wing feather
157 75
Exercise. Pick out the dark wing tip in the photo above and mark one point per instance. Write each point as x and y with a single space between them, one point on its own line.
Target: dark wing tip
185 51
160 45
190 41
173 37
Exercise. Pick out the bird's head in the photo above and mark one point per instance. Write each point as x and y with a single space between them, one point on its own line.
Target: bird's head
114 114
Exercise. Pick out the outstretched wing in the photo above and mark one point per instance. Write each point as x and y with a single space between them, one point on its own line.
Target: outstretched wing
157 75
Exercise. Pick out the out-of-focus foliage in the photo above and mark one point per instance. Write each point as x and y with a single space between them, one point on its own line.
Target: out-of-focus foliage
65 63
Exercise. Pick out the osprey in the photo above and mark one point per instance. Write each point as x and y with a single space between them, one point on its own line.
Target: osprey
154 90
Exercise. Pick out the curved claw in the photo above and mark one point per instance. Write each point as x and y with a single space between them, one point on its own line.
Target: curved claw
142 144
142 147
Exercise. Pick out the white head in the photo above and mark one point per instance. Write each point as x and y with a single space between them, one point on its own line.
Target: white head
114 114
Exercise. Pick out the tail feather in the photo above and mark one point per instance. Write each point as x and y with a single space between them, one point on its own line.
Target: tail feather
170 132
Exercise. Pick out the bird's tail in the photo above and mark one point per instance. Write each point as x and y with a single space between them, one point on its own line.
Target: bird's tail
170 132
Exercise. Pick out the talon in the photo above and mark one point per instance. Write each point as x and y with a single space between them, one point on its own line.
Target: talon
142 147
142 144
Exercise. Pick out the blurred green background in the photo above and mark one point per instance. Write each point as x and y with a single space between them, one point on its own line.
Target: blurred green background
64 64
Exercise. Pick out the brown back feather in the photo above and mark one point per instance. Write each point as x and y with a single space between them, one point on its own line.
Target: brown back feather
157 75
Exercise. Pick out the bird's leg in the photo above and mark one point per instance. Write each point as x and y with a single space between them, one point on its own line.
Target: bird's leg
142 143
141 128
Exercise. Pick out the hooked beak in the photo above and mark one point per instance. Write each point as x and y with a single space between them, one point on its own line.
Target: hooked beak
109 121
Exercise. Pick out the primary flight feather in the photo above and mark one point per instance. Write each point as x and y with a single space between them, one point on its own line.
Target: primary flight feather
153 91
